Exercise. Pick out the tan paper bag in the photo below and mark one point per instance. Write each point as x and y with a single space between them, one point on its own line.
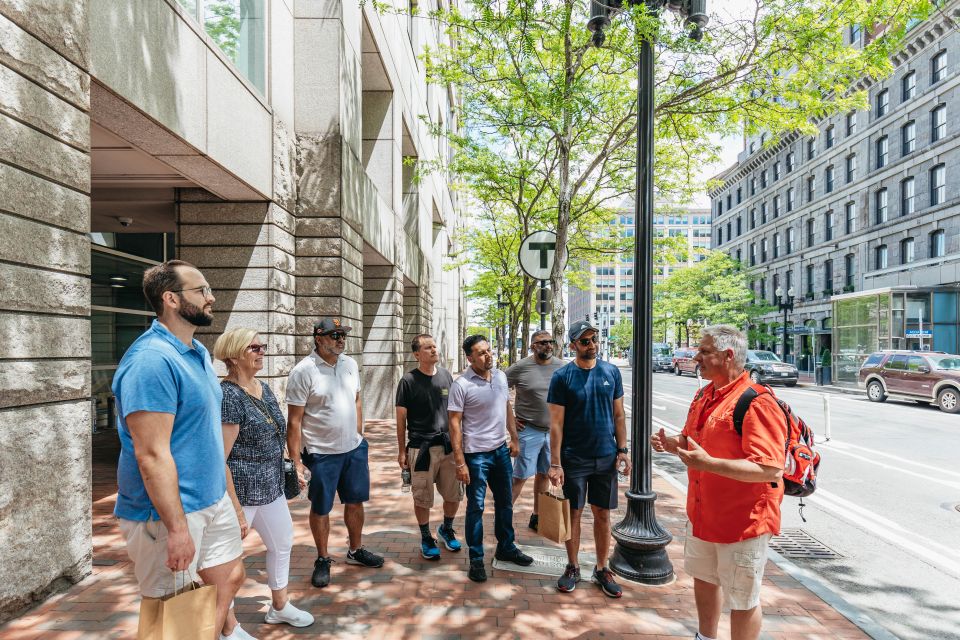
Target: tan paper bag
554 521
190 614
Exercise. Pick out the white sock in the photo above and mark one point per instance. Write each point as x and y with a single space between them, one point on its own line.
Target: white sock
700 636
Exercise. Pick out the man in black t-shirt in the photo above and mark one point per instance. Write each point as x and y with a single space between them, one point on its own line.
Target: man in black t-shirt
424 443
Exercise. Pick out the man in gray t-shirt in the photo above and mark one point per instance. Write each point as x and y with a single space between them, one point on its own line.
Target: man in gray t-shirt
531 379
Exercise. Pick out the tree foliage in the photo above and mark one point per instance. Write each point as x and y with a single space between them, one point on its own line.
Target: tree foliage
621 335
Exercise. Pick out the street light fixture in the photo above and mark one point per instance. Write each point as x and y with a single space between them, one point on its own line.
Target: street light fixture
785 304
640 554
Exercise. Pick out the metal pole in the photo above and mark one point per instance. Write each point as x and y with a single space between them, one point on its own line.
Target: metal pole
826 415
543 305
641 550
784 331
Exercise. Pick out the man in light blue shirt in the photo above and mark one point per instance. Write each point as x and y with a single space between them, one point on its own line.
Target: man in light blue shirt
480 417
172 504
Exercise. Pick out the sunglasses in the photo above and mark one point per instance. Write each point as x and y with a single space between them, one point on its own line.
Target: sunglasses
586 342
543 342
257 348
337 335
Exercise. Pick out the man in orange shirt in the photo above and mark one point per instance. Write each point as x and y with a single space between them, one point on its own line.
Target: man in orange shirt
734 490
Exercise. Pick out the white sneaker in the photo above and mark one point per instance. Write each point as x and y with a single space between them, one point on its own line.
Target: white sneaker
288 615
238 634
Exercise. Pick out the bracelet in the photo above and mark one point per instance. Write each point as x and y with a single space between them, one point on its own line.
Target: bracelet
556 466
461 466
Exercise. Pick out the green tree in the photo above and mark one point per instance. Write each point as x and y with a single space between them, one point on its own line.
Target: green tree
621 335
222 23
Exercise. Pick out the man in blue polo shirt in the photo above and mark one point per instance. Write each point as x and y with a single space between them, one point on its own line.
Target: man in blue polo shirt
172 502
588 442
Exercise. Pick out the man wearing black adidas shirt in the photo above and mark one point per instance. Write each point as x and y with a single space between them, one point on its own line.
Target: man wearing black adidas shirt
424 442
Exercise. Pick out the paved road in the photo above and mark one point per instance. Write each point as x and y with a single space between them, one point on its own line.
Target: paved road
886 503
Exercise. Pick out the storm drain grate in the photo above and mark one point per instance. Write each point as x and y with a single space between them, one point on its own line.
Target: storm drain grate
797 543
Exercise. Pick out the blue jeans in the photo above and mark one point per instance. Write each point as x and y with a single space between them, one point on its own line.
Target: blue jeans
491 468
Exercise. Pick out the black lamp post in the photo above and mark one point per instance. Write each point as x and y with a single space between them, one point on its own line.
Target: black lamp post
501 329
640 554
785 304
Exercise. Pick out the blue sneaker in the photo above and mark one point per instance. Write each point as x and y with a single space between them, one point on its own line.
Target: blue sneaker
429 549
449 538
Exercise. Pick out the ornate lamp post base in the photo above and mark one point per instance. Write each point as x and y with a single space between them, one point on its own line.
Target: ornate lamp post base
640 554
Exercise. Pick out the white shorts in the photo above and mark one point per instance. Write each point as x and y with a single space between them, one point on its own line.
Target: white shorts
736 567
215 532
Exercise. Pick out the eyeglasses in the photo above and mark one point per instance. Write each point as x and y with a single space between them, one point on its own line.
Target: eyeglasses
257 348
337 335
543 342
206 291
586 342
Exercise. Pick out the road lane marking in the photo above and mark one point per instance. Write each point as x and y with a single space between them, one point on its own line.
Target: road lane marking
839 446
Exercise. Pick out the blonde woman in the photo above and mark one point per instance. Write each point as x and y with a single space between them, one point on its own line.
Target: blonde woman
254 436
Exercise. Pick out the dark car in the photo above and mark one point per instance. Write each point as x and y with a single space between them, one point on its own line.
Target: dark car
683 362
662 357
923 376
766 368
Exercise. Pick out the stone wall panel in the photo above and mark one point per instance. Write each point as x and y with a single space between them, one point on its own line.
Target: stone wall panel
33 197
27 289
24 381
25 54
62 250
34 151
60 24
29 103
27 335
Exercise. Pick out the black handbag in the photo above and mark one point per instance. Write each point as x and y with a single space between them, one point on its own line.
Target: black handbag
291 481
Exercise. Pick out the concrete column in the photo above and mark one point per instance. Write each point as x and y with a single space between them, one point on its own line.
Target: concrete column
383 334
45 491
417 317
246 251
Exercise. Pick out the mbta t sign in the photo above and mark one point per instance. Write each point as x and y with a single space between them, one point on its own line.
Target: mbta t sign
537 253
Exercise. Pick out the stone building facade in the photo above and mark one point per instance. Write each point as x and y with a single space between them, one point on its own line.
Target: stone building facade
276 150
873 201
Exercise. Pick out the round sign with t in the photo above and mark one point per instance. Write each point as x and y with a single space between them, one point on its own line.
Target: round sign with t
537 253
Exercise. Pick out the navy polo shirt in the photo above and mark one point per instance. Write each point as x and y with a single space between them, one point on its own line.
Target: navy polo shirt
587 397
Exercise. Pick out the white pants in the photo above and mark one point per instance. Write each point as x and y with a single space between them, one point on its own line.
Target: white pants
275 526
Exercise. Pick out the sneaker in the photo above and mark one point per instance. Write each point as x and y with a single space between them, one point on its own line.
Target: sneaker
321 572
515 556
568 581
238 634
604 578
449 538
534 522
288 615
477 573
429 549
364 558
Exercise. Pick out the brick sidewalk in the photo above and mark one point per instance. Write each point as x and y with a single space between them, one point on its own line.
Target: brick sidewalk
413 598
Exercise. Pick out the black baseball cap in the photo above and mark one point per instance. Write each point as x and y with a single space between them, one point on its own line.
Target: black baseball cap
578 328
329 325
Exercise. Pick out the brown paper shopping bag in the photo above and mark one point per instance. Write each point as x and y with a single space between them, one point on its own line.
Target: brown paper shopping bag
554 521
189 614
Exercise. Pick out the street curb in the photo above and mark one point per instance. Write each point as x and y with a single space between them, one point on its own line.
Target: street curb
852 613
830 389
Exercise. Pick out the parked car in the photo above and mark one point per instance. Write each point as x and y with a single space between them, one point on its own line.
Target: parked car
766 368
683 362
662 357
922 376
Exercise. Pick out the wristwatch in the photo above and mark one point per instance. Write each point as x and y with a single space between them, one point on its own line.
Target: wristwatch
623 450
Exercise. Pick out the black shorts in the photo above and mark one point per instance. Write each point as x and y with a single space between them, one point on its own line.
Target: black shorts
592 480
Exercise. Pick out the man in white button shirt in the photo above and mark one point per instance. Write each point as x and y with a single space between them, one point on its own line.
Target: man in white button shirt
325 425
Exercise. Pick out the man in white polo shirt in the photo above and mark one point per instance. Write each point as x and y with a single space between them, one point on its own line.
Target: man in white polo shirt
480 417
325 425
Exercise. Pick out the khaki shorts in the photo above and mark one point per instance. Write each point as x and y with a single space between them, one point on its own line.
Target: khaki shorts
215 532
442 472
736 567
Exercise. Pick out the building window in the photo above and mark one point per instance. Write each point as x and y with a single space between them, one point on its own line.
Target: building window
908 137
811 149
880 257
938 66
753 218
739 195
790 240
763 288
849 269
719 208
938 184
851 165
789 275
719 236
763 213
763 250
908 86
907 195
729 201
855 33
738 255
811 236
753 146
729 232
828 276
906 251
776 170
238 29
763 179
828 226
883 148
739 226
850 215
851 123
776 285
753 253
938 123
880 206
828 179
830 137
776 206
883 103
938 244
790 162
810 282
790 199
811 188
753 186
776 246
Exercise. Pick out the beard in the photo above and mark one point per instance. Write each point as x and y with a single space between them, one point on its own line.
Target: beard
195 315
546 354
588 354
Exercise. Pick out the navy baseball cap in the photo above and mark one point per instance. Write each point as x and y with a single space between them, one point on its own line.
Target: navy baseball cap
329 325
578 328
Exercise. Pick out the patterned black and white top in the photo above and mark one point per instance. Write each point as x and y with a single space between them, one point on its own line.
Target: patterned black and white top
256 460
